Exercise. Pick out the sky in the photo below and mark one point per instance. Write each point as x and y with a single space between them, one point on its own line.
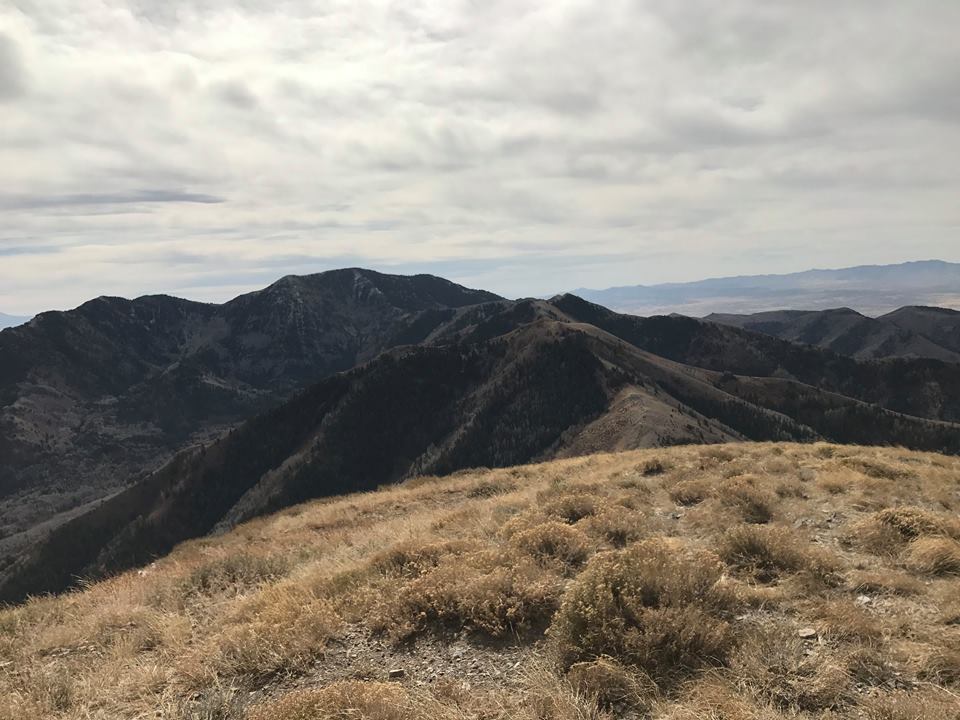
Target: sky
204 148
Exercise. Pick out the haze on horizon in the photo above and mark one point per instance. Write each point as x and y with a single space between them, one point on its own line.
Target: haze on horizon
204 148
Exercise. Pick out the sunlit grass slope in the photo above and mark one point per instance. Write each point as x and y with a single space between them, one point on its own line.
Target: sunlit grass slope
736 581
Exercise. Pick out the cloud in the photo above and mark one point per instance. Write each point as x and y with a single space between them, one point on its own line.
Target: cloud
12 75
524 145
21 202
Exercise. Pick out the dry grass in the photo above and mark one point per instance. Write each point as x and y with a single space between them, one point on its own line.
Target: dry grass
656 605
662 584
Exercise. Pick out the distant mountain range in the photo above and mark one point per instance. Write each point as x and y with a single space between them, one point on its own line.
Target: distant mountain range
11 320
869 289
908 332
128 426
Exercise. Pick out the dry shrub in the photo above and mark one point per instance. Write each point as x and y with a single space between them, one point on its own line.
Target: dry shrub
545 697
216 703
611 684
655 605
412 558
766 552
571 506
652 467
916 704
834 485
754 504
941 663
790 489
887 531
716 453
488 592
349 700
884 583
554 542
934 556
488 489
615 525
235 572
279 630
715 699
877 469
780 667
842 620
690 492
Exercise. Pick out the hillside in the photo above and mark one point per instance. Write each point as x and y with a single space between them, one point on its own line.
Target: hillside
906 333
506 383
754 581
93 398
869 289
942 325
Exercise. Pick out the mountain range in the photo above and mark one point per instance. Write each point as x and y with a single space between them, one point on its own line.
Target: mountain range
869 289
11 320
928 332
130 425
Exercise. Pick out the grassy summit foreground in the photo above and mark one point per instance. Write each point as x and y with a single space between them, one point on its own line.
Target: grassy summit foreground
736 581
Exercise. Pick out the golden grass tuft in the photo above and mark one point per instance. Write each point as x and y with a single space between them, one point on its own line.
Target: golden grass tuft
280 631
768 552
611 685
343 701
744 494
655 606
554 542
491 593
934 556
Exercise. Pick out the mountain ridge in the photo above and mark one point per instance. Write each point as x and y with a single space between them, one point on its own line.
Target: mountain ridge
522 380
872 289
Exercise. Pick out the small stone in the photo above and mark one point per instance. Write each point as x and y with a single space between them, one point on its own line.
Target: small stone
807 633
397 674
864 600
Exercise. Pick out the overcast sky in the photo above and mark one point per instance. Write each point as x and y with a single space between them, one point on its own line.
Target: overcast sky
206 147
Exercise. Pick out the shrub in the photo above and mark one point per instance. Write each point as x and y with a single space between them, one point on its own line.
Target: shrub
782 668
765 552
652 467
690 492
413 558
754 504
887 532
654 605
487 592
941 664
280 630
842 620
611 685
553 541
571 507
235 572
714 699
884 583
912 522
349 700
934 556
616 525
915 704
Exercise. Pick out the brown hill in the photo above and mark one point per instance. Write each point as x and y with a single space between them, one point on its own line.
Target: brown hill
742 581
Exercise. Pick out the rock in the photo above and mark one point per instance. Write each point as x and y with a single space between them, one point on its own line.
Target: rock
397 674
864 600
807 633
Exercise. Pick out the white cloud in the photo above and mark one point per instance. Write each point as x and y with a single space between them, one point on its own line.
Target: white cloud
524 146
